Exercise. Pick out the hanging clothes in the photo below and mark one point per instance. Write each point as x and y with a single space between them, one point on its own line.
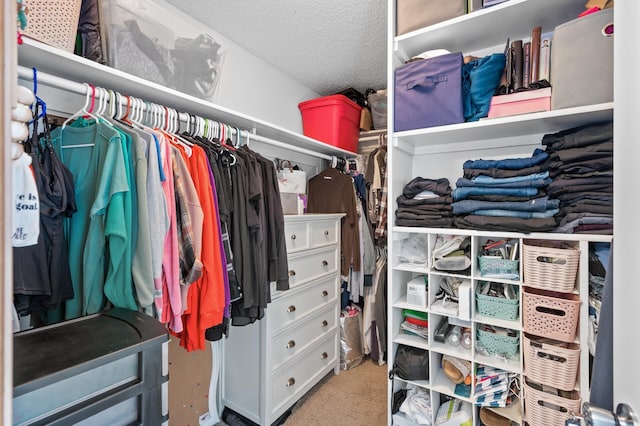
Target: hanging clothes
41 275
99 168
331 191
206 296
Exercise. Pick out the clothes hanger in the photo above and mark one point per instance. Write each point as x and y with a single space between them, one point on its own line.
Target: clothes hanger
39 101
87 108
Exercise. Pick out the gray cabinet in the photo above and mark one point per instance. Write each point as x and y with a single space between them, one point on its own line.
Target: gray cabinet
107 368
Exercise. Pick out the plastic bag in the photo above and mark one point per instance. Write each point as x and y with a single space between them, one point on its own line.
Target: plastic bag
413 249
351 354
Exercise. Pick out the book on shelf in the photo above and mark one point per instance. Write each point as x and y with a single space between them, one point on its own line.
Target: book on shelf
535 54
544 69
526 63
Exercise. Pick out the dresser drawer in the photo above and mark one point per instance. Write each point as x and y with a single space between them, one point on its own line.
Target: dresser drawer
296 305
296 235
323 232
308 266
289 384
296 340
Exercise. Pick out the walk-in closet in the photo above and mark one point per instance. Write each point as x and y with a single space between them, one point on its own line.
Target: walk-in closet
398 212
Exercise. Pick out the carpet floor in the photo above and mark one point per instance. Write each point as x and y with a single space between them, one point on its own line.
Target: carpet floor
355 397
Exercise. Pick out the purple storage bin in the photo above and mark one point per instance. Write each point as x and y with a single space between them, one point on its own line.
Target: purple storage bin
428 93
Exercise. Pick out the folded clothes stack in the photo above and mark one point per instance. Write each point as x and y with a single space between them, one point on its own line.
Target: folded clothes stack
505 195
425 203
581 166
493 387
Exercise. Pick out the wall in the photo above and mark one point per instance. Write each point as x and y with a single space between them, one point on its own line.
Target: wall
247 84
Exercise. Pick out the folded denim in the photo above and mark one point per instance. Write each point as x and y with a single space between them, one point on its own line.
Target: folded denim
561 182
529 183
432 212
501 223
569 176
571 198
426 223
568 227
490 197
417 185
578 189
538 157
413 215
604 162
514 213
535 205
405 201
503 173
605 218
490 181
600 150
579 136
586 208
602 229
462 193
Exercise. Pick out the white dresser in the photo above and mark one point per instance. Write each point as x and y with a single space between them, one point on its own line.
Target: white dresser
272 363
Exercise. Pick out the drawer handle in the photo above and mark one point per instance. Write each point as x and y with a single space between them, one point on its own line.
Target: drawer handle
325 263
324 355
292 273
291 309
293 236
326 233
325 293
325 323
291 382
291 344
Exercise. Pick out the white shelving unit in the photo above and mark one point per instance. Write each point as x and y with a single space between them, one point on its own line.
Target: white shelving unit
75 68
440 152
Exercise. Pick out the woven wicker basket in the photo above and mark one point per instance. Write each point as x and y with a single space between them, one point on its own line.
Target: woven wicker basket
550 268
547 362
54 22
550 314
543 408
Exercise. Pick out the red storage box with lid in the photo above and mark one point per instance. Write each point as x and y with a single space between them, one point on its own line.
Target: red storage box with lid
332 119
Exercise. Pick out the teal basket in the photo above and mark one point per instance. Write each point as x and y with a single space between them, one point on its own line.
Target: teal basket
497 344
491 266
498 307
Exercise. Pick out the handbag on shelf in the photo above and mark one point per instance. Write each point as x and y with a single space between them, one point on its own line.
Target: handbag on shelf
291 180
411 363
292 184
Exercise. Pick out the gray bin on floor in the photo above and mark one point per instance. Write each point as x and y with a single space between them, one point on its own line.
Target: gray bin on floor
105 368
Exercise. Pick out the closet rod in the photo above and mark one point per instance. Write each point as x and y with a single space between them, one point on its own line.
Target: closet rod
81 89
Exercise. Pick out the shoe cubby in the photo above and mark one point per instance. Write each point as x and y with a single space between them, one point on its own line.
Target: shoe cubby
512 325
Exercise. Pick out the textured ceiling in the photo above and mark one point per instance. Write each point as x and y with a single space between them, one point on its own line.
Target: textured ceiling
327 45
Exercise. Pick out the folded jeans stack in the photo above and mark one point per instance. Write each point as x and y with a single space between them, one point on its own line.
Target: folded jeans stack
581 166
425 203
505 195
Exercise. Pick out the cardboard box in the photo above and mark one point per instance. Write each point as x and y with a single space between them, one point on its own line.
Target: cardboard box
412 15
520 103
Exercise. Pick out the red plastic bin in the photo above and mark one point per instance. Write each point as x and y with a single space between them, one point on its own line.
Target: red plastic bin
332 119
